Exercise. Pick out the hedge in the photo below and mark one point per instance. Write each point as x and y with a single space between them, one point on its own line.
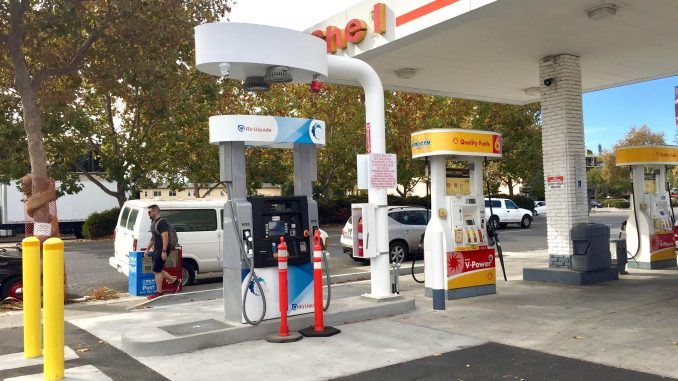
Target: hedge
616 203
100 224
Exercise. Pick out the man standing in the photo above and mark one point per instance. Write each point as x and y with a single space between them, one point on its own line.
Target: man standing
158 246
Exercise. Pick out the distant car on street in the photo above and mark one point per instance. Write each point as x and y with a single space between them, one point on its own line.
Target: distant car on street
596 204
406 224
539 208
505 211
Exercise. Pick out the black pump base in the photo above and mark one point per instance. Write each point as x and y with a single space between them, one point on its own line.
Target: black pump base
326 332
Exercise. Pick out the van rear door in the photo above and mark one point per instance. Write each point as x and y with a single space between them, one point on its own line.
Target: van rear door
124 237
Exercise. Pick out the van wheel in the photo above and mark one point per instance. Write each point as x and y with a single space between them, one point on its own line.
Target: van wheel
187 273
526 222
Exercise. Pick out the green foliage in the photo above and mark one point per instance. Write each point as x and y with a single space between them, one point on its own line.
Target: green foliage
100 224
613 180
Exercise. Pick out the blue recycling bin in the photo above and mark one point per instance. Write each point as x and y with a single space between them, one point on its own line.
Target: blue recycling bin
141 279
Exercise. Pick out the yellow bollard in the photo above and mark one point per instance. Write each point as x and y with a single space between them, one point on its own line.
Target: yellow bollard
53 269
31 297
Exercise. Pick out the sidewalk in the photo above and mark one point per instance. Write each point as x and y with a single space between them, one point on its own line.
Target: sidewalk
526 331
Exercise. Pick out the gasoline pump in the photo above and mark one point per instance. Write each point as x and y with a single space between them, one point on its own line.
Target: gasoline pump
255 227
459 260
649 229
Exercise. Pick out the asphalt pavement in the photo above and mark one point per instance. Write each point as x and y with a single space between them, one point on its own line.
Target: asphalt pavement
87 261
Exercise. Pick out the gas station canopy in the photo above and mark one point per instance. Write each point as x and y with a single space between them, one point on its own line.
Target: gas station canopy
491 49
647 155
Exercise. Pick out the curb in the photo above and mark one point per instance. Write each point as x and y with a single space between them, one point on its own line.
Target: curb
157 341
216 293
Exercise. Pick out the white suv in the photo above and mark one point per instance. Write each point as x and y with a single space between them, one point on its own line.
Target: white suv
505 211
406 224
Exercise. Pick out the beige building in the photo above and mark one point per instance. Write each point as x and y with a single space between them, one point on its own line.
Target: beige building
218 193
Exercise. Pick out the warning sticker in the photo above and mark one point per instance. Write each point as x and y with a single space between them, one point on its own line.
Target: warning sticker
383 170
555 182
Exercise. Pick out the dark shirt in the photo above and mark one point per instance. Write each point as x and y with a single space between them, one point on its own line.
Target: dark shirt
163 227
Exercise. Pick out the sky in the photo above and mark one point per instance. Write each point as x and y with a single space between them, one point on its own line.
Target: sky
608 114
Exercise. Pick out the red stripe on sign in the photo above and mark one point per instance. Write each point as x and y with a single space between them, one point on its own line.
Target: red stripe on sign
423 11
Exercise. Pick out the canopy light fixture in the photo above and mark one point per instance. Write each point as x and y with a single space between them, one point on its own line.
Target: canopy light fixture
405 73
531 91
602 11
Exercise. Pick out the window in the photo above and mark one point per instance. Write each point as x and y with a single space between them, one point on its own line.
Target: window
192 220
495 203
132 219
123 217
157 193
145 194
414 217
398 216
511 205
173 193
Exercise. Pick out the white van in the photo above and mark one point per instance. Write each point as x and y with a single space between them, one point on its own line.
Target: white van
199 228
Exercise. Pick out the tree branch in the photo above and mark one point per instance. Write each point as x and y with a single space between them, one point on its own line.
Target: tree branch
77 59
215 186
96 181
46 73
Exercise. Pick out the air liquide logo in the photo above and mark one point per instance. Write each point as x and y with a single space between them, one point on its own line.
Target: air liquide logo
316 130
244 128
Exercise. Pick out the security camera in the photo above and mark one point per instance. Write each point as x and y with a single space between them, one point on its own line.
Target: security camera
548 81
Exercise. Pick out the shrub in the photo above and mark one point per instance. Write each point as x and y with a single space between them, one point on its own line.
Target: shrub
100 224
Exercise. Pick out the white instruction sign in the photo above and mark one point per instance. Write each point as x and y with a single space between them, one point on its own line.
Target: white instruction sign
383 171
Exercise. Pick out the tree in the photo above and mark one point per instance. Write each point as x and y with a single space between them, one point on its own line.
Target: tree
39 39
114 94
522 160
616 179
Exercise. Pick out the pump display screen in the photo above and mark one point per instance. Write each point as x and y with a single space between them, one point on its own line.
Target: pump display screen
276 228
470 222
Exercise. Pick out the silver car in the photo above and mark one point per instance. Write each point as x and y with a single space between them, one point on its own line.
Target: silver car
406 224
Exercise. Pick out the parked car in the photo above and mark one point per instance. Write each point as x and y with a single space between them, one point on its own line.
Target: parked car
406 224
199 229
596 204
505 211
10 274
539 208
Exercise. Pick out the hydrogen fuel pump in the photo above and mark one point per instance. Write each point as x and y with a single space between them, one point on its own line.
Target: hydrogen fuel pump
253 226
459 260
649 229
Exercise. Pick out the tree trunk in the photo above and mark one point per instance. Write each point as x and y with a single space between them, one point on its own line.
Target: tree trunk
33 127
509 183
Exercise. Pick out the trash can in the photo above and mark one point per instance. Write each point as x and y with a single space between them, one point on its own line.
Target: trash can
590 247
